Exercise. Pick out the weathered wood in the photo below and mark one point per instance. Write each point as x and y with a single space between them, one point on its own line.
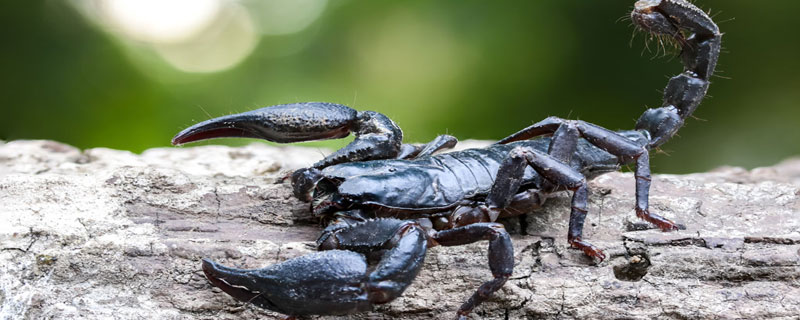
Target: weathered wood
103 233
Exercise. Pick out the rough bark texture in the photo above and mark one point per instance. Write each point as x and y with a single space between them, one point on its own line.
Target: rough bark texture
110 234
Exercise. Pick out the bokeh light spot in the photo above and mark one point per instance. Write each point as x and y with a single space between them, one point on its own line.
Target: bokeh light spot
280 17
161 21
229 41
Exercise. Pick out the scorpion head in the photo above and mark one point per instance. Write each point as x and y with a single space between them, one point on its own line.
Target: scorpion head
310 185
304 182
325 202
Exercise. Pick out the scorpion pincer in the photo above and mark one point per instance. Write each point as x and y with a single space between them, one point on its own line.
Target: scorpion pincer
390 200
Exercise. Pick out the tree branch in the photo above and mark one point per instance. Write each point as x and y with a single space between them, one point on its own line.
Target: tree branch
114 234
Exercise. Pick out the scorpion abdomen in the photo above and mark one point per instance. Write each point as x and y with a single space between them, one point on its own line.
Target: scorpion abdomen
443 181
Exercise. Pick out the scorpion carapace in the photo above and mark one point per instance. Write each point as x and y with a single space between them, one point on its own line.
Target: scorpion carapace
390 200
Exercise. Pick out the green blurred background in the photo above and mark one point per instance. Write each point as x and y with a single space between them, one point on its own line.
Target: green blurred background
111 73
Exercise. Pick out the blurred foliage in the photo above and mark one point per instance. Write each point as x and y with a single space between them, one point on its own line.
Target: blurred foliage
473 69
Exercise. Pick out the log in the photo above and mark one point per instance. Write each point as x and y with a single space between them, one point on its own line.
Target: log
103 233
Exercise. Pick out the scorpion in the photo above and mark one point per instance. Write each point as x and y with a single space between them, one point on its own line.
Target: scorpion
387 202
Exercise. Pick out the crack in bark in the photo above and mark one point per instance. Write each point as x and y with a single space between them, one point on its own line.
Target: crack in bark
771 240
218 201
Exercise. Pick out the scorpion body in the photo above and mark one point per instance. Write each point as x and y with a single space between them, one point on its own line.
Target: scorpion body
444 180
386 202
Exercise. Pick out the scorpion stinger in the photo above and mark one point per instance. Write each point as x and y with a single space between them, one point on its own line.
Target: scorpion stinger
700 51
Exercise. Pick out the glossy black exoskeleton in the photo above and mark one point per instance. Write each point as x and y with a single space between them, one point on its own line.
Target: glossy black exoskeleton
390 201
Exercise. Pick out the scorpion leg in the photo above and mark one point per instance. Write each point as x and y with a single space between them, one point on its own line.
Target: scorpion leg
612 142
509 177
544 127
562 146
557 173
377 136
441 142
628 151
333 281
501 257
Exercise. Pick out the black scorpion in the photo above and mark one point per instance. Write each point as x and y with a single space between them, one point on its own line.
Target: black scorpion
388 202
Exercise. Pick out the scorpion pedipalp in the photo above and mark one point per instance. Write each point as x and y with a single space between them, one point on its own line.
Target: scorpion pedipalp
285 123
337 279
377 136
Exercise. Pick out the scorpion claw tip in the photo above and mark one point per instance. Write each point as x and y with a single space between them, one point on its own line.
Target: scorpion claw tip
668 226
234 282
599 255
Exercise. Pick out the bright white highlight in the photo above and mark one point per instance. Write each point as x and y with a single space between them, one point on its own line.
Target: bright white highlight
232 40
161 20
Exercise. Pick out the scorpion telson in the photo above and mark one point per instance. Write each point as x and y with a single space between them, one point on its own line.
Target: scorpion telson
390 201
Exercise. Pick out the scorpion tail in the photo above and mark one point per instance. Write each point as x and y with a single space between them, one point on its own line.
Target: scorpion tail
377 136
700 41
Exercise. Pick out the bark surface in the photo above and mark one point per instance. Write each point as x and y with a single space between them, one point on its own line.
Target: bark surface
102 233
